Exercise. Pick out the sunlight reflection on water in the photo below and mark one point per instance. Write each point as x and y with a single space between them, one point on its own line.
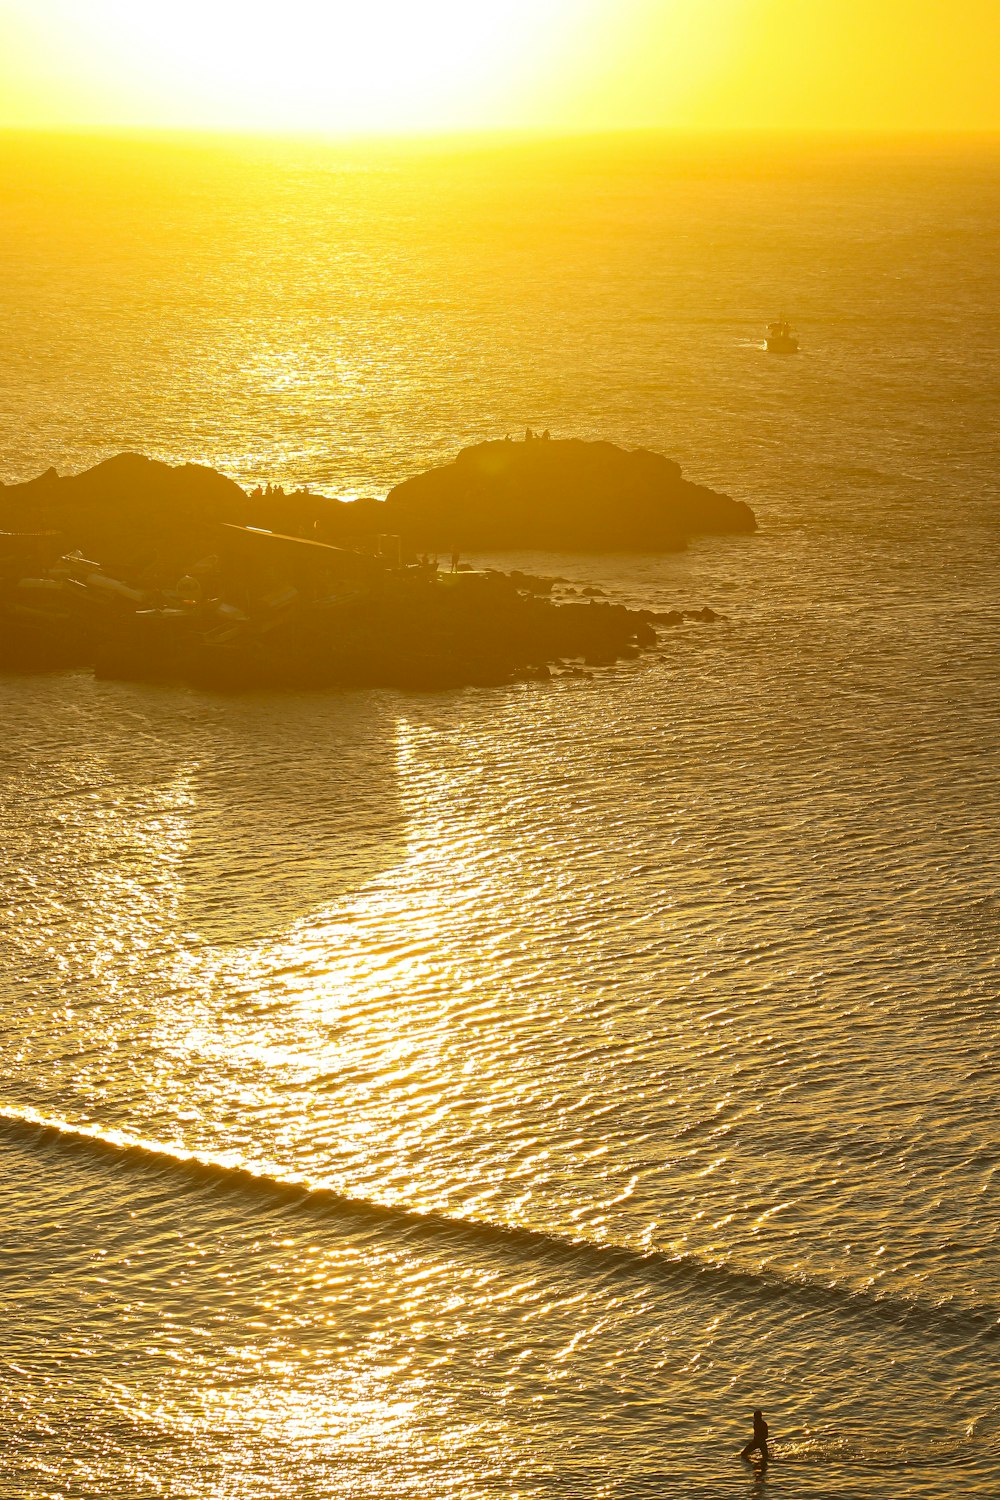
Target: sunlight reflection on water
645 1022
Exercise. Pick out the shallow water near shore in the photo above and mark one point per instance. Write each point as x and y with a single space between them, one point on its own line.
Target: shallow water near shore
502 1092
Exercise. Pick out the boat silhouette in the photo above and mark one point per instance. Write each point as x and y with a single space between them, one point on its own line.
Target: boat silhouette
780 338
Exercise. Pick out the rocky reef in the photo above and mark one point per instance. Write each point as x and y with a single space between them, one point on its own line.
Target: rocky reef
142 570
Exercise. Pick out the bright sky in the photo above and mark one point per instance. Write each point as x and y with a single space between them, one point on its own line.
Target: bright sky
390 65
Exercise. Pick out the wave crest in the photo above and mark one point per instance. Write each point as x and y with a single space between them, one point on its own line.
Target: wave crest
718 1278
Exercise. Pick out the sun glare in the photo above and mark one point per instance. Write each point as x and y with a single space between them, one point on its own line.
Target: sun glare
316 65
396 66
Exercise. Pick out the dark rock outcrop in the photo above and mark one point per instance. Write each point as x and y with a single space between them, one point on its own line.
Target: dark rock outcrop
554 495
559 496
141 516
139 569
128 510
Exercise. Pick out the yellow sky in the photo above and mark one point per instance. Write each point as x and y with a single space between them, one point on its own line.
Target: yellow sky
389 65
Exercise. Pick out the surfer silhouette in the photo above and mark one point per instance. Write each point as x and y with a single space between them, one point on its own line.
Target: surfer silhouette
759 1440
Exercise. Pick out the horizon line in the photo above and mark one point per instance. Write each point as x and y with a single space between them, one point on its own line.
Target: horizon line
511 133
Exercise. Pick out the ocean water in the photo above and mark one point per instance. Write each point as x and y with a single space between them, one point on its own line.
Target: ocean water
502 1092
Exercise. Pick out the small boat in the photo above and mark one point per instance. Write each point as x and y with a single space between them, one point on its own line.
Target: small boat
780 338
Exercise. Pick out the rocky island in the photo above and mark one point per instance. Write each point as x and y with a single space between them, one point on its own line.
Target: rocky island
561 496
142 570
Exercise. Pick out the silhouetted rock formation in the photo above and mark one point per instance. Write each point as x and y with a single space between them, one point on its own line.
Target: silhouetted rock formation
561 496
129 511
136 512
141 570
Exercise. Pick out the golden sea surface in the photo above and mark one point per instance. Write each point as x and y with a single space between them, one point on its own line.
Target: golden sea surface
503 1092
